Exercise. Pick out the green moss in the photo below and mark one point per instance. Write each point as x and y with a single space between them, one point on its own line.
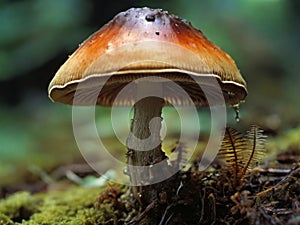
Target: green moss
19 206
75 206
4 220
290 139
287 140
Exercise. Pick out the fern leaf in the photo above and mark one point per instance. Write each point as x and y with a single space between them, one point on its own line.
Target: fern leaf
231 152
256 149
241 152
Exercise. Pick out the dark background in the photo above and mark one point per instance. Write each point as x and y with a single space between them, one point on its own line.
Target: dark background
36 37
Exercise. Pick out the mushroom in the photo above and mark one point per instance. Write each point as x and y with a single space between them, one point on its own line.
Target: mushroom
135 47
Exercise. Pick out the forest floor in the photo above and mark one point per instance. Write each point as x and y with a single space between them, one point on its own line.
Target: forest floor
265 194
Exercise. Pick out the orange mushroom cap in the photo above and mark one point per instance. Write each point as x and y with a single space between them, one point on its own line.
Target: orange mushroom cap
143 42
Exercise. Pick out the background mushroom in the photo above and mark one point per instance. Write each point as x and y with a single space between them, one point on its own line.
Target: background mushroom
145 43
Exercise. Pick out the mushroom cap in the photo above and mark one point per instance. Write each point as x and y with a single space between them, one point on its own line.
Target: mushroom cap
146 43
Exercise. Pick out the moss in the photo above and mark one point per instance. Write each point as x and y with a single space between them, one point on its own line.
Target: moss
4 220
75 206
19 206
283 142
290 139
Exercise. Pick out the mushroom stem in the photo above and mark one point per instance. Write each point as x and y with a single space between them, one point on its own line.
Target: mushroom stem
143 142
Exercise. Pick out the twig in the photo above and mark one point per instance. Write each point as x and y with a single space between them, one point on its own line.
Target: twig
280 185
141 216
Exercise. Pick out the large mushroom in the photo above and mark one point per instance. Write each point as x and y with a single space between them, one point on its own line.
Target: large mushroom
143 43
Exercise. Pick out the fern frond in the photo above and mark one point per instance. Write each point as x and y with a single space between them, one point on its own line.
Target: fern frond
231 152
256 149
241 152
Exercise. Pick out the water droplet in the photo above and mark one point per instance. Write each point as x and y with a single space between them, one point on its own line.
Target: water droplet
237 112
125 171
186 22
150 18
231 94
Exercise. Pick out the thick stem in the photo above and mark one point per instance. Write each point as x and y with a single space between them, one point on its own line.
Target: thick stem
144 138
144 144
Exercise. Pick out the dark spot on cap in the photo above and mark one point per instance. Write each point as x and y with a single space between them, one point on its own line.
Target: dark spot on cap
150 17
157 32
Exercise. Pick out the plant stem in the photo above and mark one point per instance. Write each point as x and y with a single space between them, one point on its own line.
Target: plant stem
144 143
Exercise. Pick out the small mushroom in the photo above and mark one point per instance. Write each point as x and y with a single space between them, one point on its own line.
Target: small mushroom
146 43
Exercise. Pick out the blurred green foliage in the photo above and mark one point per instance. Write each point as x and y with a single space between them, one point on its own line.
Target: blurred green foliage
37 36
34 31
